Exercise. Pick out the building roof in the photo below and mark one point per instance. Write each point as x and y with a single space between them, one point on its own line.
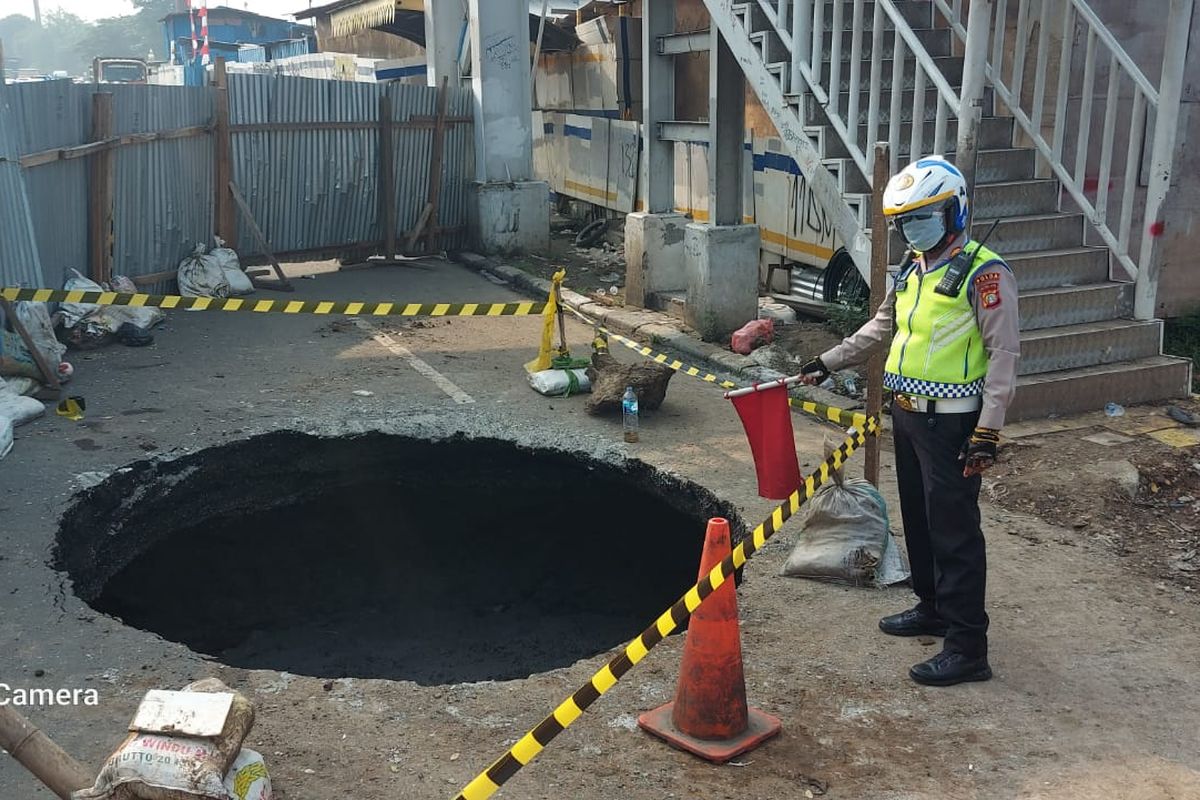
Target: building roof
410 25
237 12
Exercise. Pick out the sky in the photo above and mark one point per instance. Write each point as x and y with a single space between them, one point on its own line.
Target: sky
96 9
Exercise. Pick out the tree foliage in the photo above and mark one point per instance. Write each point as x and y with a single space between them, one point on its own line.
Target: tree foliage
67 42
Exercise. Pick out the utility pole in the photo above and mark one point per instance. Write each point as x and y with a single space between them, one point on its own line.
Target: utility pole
37 12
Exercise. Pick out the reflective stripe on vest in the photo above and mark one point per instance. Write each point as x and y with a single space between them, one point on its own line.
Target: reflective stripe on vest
938 351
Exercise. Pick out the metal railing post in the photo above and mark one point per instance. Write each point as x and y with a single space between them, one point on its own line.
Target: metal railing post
1170 90
801 42
979 19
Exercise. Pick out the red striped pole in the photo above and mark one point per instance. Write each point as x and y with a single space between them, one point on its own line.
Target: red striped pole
204 32
192 19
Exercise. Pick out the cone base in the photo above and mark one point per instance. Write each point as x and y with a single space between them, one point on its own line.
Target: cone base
762 727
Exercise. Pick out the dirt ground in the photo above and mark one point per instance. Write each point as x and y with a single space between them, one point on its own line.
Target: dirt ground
1096 693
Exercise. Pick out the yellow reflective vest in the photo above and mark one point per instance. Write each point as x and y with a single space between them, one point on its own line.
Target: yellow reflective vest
938 350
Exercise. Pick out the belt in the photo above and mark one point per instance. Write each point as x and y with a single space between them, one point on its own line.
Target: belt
951 405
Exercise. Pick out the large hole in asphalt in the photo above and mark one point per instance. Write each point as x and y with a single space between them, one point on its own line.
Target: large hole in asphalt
381 556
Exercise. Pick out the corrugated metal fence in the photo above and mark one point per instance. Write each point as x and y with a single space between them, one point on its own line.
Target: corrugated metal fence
309 189
313 187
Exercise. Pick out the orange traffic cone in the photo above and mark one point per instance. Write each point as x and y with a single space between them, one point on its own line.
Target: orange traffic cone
709 716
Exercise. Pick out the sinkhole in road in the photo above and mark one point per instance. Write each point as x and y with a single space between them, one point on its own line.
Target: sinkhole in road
377 555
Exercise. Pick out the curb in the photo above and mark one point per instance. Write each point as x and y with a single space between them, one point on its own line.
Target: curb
653 327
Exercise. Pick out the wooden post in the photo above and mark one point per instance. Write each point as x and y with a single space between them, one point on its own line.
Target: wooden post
38 753
101 182
879 262
284 284
435 167
224 215
387 178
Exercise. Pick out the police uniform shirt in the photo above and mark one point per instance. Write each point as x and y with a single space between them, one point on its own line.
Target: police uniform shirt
992 292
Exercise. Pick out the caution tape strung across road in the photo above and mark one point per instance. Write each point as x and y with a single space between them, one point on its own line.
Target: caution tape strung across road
838 415
319 307
532 743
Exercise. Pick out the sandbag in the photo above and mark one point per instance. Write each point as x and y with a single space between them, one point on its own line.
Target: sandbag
247 779
154 766
557 382
201 276
846 537
755 333
17 408
143 318
15 358
75 313
227 259
6 436
36 319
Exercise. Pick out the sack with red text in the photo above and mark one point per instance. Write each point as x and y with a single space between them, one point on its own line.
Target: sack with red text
181 747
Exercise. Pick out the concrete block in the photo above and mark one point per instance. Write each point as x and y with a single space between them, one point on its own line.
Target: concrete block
510 217
722 265
653 256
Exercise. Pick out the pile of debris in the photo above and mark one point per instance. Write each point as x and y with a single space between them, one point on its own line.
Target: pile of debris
35 337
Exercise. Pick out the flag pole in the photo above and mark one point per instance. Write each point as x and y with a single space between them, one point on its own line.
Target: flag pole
762 387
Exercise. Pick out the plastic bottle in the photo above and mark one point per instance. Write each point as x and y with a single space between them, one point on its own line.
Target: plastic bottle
1114 410
629 413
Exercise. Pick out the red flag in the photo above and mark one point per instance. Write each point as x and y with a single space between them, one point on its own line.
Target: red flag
768 423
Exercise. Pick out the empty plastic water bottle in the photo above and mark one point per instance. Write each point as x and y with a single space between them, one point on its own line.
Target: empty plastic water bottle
1114 410
629 414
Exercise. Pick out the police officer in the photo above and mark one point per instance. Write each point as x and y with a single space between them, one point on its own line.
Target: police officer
952 370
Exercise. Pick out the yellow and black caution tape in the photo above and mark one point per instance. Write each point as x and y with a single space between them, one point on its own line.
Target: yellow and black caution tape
532 743
838 415
321 307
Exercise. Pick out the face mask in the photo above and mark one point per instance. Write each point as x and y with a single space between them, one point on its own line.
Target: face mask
922 231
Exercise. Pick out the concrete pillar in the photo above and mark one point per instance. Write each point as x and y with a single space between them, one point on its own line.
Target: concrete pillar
511 212
445 25
722 265
722 258
654 236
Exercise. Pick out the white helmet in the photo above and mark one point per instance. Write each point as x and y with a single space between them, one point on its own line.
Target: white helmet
930 184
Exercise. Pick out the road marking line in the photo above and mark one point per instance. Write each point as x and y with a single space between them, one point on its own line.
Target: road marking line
441 381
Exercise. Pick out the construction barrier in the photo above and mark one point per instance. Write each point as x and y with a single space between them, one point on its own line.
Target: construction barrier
319 307
830 413
532 743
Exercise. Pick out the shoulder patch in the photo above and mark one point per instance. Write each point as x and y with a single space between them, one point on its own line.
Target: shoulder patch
990 276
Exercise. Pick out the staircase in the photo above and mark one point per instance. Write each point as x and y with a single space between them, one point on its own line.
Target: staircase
1081 345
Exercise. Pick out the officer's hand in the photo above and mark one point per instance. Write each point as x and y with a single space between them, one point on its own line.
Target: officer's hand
814 372
979 452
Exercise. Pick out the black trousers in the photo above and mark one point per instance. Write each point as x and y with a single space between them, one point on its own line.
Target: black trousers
940 509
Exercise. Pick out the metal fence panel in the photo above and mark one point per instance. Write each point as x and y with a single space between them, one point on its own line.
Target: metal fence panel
19 263
56 114
313 189
164 189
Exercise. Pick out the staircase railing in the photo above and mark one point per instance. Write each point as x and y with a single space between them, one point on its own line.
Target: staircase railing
801 26
1087 175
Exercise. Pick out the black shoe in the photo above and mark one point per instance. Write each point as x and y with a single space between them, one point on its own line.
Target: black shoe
948 668
914 622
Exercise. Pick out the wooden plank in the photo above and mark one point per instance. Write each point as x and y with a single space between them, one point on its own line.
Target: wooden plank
223 211
435 165
879 248
387 177
92 148
260 239
419 228
101 192
154 277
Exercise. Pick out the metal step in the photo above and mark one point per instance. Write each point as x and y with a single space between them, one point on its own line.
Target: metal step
1088 344
1047 269
917 13
770 47
998 166
1016 199
995 133
937 42
1089 388
1073 305
850 177
1031 234
814 113
951 68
